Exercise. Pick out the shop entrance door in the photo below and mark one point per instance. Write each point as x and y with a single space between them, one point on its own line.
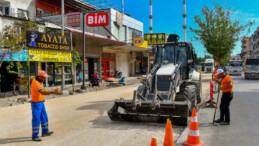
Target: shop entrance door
50 72
106 68
90 67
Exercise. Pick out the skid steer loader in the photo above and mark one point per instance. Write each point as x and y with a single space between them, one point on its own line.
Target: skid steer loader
171 90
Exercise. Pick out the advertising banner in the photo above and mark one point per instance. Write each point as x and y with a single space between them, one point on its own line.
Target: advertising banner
21 55
45 41
73 19
49 56
155 38
138 42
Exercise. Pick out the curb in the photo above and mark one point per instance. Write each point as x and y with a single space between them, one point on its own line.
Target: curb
183 136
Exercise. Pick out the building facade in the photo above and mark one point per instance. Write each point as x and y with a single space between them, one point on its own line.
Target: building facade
245 47
107 49
254 46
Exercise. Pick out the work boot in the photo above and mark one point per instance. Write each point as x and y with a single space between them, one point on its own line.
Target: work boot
224 123
47 134
36 139
218 121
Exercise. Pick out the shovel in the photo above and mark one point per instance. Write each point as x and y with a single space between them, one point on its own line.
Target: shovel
216 108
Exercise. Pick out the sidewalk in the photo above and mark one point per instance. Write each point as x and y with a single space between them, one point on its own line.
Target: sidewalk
206 129
10 99
213 135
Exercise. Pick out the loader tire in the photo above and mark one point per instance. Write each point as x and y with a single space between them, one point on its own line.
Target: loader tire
190 94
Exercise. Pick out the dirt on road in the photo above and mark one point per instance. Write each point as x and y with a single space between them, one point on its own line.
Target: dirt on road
82 120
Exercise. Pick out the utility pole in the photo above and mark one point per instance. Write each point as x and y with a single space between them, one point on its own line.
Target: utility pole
122 6
62 29
184 20
150 17
83 41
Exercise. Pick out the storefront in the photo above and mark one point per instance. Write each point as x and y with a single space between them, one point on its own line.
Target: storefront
50 52
141 63
14 66
91 67
97 60
108 65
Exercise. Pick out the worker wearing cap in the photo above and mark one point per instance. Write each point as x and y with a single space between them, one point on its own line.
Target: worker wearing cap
39 114
227 96
214 78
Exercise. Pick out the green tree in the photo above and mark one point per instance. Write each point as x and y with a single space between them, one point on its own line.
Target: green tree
218 31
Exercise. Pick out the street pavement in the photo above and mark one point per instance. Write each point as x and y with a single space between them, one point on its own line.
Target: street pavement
244 129
81 120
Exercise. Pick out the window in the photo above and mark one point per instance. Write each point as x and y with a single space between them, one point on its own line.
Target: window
1 10
119 32
7 11
43 13
133 33
23 13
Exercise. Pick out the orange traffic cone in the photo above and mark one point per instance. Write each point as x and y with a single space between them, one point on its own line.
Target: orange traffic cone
168 141
153 142
194 135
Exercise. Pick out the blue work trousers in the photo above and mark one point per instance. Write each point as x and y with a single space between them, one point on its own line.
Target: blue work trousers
39 116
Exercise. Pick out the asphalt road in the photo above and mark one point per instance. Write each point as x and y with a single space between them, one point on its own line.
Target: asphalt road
244 129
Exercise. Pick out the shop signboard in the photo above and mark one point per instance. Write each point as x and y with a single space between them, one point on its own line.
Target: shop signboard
97 19
46 41
20 55
139 42
155 38
49 56
73 19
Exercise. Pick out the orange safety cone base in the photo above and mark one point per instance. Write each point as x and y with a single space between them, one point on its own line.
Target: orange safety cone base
153 142
189 144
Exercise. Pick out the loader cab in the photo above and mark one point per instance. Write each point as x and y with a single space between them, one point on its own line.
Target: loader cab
176 53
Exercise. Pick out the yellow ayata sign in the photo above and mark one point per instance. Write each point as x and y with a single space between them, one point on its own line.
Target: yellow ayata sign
49 56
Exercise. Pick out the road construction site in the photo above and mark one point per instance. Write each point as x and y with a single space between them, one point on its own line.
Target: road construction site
82 120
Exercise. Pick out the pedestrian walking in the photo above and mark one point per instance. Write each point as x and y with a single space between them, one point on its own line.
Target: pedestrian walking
39 114
227 96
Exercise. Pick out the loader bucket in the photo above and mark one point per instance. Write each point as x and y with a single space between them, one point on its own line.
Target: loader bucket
148 111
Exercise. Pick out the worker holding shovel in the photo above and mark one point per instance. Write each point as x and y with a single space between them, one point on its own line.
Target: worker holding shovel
227 96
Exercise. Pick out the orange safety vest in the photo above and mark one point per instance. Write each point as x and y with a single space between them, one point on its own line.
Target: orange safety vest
225 82
215 74
36 96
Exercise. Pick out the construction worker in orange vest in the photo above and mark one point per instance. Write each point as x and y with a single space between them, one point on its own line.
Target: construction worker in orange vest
227 96
39 114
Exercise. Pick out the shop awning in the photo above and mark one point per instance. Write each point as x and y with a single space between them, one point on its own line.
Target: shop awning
95 38
128 47
78 5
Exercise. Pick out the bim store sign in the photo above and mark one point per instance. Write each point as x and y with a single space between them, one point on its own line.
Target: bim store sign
45 47
155 38
97 19
37 40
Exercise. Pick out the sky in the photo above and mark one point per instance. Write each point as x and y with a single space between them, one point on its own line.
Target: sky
167 16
